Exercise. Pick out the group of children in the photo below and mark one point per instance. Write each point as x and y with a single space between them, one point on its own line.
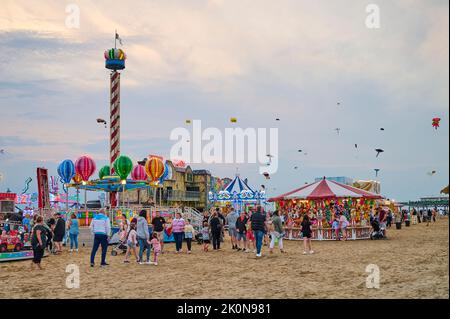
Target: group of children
339 225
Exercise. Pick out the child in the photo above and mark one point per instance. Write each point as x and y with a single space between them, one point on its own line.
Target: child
131 243
335 227
205 236
189 233
250 237
306 233
156 248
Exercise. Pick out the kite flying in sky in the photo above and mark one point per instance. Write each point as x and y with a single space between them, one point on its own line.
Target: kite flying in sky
379 150
101 121
435 122
376 171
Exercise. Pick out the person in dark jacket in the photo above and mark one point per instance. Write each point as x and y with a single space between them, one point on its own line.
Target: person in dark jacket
38 242
258 221
222 220
215 225
241 227
59 231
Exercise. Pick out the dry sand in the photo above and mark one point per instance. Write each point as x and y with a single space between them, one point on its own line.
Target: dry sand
413 263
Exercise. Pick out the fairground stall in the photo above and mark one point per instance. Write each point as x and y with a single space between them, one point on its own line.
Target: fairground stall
321 200
14 234
237 194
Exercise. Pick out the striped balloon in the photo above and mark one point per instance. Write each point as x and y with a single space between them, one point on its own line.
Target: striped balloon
85 167
154 168
66 170
138 173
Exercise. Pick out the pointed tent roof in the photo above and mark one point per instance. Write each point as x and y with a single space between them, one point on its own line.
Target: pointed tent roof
237 190
238 185
326 189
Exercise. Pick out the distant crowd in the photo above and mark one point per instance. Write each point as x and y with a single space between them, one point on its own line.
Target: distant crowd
248 231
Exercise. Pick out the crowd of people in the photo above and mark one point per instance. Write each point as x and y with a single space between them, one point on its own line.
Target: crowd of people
248 231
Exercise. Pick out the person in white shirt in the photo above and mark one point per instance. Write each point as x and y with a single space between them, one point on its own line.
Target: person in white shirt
101 229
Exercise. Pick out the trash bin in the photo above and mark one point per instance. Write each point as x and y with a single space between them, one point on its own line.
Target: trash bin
398 225
407 223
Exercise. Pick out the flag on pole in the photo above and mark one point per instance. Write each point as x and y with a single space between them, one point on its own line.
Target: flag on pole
118 38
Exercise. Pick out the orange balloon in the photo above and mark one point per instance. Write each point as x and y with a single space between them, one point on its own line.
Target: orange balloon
77 179
154 168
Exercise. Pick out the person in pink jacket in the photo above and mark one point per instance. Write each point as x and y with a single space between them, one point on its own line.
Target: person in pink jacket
178 231
156 245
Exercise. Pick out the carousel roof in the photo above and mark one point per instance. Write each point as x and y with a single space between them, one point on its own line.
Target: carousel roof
237 190
326 189
238 185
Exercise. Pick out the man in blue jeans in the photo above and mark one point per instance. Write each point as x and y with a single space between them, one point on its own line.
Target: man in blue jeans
258 220
101 229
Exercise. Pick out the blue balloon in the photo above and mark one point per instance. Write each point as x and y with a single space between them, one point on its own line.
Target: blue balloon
165 174
66 170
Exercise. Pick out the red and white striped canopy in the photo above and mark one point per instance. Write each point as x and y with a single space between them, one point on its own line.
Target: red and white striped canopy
326 189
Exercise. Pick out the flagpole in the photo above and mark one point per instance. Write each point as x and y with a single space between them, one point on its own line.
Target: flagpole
115 40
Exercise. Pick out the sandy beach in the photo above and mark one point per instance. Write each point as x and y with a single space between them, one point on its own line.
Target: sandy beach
413 263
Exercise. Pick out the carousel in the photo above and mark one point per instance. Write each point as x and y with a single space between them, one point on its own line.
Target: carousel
237 194
321 200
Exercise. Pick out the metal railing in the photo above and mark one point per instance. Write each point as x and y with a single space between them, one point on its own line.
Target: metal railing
176 195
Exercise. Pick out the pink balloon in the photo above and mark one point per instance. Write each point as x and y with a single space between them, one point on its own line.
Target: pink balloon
85 167
138 173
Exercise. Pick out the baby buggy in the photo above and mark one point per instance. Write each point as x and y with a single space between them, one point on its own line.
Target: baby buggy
199 238
377 232
119 242
120 247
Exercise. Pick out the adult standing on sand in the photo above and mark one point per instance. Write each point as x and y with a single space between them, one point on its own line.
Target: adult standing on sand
73 226
277 232
232 231
143 236
38 242
178 232
59 232
101 228
241 228
215 225
258 222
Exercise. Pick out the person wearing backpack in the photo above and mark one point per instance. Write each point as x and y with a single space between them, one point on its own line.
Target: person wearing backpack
38 242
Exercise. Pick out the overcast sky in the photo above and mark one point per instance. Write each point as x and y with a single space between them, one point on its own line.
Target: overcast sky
256 60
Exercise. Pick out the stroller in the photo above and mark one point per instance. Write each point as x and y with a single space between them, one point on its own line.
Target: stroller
120 244
199 238
377 232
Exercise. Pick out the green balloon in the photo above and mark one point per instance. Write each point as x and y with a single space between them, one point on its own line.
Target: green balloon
104 171
123 166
